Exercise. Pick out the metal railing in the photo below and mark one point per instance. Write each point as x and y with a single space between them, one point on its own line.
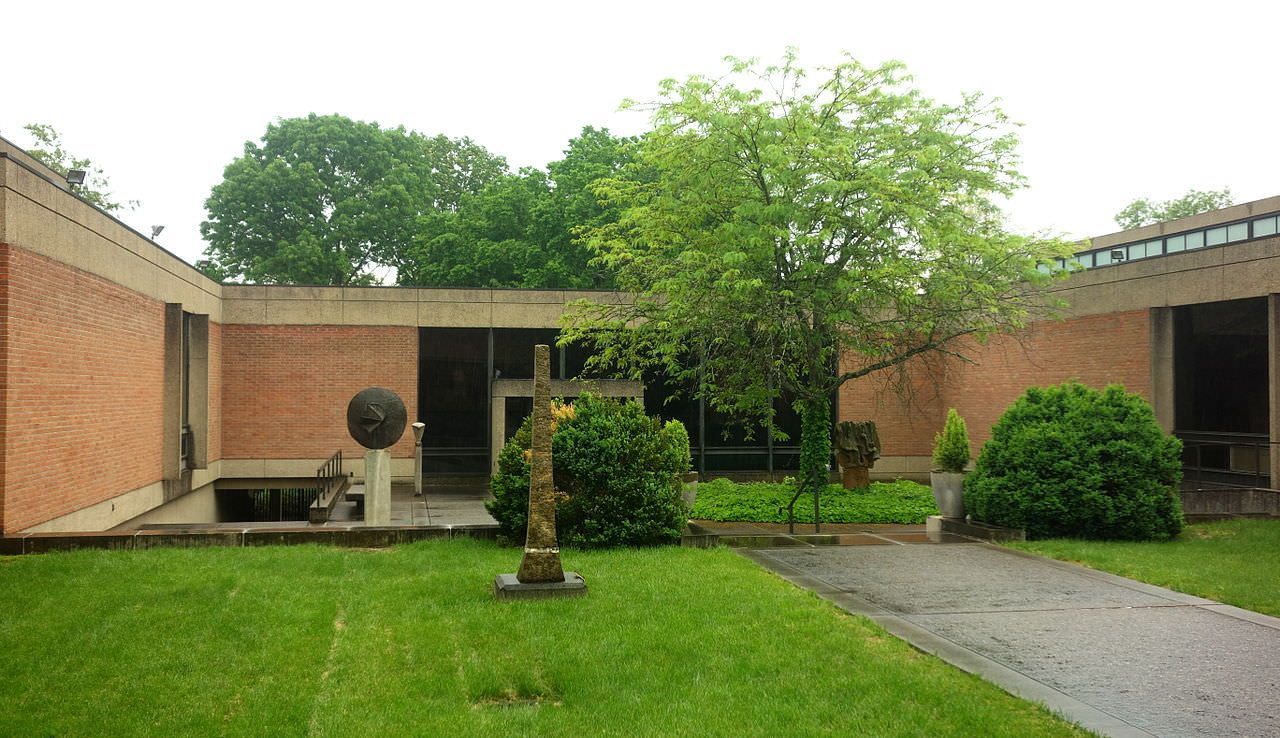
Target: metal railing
1215 459
329 477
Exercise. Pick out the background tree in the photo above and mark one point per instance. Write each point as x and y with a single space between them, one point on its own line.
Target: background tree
1145 212
792 237
328 200
48 150
521 230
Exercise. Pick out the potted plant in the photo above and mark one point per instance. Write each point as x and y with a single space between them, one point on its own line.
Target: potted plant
950 457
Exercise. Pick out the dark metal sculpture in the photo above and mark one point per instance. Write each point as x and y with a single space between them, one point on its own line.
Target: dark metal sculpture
376 417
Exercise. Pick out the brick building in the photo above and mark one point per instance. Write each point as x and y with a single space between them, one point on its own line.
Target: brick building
132 387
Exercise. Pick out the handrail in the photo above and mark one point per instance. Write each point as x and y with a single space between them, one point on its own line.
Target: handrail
329 476
1257 442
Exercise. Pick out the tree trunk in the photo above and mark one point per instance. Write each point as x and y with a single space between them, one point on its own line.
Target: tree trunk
815 450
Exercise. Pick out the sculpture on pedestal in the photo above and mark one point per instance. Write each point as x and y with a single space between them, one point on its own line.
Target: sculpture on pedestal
375 419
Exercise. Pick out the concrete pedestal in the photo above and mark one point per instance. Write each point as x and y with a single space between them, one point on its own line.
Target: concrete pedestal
377 487
507 587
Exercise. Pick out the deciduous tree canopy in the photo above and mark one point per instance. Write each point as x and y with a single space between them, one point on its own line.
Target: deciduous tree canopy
1145 212
328 200
793 233
521 230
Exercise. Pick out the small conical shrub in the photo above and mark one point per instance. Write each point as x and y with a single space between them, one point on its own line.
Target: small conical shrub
951 446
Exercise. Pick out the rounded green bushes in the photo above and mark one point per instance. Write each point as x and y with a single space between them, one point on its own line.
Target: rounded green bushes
617 476
1069 461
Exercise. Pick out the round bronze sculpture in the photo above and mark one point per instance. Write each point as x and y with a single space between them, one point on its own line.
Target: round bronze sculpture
376 417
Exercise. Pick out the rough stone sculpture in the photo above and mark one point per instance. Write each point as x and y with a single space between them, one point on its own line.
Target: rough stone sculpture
376 417
857 448
541 562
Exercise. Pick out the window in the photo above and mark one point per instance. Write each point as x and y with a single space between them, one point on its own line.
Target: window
1237 232
1264 227
1215 236
1195 240
1176 243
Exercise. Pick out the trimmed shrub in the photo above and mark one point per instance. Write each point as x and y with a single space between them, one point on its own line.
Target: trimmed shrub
951 446
617 476
1069 461
900 501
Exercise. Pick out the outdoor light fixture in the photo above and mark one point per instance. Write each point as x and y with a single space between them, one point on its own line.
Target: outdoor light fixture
75 176
156 231
1118 255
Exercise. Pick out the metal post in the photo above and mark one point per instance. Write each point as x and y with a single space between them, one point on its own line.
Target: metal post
418 429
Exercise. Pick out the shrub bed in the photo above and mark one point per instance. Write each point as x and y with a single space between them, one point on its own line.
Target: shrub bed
759 502
1070 461
617 476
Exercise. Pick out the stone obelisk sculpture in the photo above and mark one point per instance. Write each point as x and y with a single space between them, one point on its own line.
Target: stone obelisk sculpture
541 562
541 574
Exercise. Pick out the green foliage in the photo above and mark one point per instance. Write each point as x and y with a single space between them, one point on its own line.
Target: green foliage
47 149
759 502
521 230
617 472
1145 212
951 446
328 200
774 226
1070 461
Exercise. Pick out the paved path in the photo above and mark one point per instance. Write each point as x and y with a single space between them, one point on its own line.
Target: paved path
1120 657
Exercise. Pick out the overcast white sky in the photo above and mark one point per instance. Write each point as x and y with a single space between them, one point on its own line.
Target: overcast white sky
1118 100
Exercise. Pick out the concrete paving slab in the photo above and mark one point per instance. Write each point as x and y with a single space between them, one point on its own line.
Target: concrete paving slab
1120 657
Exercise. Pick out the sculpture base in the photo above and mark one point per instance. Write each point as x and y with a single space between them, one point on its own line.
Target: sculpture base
377 487
507 587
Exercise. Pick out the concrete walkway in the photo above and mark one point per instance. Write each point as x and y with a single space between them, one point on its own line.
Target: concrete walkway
1119 657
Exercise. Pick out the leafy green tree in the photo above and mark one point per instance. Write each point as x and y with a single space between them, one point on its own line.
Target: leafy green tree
521 230
1145 212
48 151
328 200
789 237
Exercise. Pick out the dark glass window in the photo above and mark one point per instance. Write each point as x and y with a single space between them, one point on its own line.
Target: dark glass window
453 398
1220 365
513 351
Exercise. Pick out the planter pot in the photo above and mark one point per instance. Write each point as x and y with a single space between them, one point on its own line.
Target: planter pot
948 492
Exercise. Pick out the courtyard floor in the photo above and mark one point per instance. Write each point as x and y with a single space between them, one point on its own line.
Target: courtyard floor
1120 657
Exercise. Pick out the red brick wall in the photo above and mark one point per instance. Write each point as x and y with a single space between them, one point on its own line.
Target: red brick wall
906 415
215 392
1096 350
4 371
286 388
84 363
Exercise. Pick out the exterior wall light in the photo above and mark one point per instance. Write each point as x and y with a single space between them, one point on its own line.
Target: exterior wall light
75 176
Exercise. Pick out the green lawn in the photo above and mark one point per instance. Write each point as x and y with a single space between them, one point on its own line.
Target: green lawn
409 641
1234 561
900 501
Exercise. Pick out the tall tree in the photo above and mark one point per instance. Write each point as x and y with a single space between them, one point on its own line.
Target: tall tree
1145 212
791 235
48 150
329 200
522 230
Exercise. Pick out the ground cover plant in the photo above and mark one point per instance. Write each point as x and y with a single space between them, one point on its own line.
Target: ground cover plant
617 475
293 641
1233 561
1070 461
900 501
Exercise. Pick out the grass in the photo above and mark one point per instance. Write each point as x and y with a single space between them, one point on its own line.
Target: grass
1233 561
900 501
294 641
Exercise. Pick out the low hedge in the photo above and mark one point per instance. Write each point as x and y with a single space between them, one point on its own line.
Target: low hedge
900 501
